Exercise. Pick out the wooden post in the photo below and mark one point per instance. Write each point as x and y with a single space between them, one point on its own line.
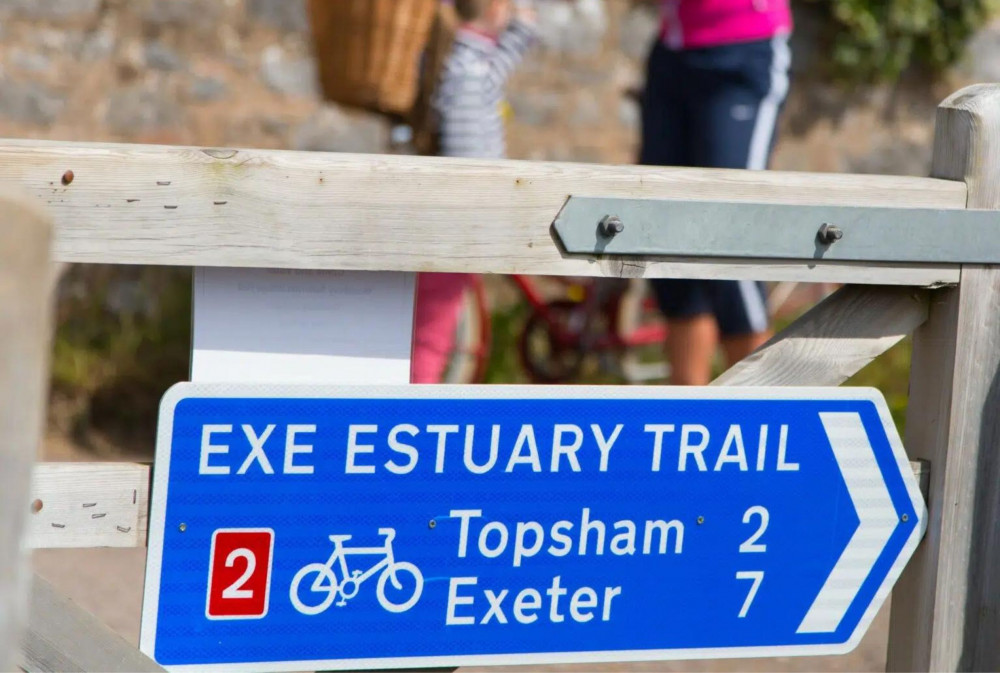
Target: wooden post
946 606
24 345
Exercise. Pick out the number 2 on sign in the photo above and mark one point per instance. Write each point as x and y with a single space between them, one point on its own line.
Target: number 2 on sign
236 590
751 544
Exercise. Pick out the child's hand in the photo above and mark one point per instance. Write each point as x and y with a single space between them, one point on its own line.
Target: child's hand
524 11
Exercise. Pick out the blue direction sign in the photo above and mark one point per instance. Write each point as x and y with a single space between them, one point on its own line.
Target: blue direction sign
303 528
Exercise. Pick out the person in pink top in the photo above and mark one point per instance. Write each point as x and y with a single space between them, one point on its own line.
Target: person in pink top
717 78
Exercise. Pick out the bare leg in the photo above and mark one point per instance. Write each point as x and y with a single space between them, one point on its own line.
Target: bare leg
691 344
738 347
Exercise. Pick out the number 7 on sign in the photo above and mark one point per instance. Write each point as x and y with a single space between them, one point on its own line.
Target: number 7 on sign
757 576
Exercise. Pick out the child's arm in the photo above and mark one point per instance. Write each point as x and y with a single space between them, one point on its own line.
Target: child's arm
510 50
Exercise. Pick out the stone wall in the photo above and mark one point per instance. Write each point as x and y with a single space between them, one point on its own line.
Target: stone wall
240 72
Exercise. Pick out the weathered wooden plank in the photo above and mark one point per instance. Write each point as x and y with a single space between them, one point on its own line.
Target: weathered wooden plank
63 637
946 606
255 208
25 235
89 505
832 341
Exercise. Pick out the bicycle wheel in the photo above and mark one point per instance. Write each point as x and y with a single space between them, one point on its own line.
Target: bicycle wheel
547 358
468 358
325 583
643 332
402 585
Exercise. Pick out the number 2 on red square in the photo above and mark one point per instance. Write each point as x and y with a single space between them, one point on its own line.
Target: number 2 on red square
239 573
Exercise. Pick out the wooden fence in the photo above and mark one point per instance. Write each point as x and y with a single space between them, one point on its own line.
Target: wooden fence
247 208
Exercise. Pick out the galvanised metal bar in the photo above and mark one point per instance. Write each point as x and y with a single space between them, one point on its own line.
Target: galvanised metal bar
648 227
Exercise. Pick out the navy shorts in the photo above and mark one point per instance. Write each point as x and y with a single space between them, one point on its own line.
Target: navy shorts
715 107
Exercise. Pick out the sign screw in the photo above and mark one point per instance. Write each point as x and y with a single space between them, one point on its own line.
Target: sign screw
433 523
701 520
611 226
829 234
183 527
905 518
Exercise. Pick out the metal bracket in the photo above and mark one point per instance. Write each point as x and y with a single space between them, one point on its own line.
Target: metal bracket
617 226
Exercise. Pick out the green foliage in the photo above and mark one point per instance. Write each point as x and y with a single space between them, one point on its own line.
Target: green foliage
123 337
879 39
890 373
505 364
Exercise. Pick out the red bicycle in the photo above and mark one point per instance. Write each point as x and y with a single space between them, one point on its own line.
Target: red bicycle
573 319
615 320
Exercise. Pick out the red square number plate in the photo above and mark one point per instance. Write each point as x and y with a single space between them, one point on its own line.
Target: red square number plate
239 573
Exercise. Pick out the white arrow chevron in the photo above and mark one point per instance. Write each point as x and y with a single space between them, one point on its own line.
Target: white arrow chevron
878 519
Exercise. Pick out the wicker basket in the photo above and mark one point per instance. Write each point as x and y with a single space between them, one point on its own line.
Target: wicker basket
369 50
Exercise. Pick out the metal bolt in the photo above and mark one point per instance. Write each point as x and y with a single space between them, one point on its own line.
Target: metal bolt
611 226
183 527
905 518
829 234
67 177
701 520
433 523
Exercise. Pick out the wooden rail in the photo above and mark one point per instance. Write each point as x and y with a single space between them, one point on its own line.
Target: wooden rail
88 505
132 204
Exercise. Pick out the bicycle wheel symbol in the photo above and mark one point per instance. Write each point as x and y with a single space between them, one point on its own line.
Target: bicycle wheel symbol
396 575
324 584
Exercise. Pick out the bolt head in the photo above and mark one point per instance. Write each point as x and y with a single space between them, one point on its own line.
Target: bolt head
611 226
829 233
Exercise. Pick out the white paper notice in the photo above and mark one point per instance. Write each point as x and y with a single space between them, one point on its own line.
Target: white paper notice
297 326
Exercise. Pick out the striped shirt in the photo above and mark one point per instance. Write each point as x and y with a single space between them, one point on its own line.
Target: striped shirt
471 91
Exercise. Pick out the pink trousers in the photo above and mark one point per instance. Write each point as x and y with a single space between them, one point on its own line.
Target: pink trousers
439 296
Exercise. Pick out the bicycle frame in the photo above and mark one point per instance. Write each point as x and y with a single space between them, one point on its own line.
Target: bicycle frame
340 553
612 339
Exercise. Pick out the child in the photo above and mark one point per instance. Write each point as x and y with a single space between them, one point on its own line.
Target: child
491 39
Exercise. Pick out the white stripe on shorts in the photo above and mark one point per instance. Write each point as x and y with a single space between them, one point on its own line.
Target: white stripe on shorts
754 304
767 113
760 148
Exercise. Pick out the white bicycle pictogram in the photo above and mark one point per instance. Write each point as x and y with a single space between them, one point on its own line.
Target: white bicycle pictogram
326 583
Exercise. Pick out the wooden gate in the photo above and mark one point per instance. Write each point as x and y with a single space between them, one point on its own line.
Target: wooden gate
244 208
